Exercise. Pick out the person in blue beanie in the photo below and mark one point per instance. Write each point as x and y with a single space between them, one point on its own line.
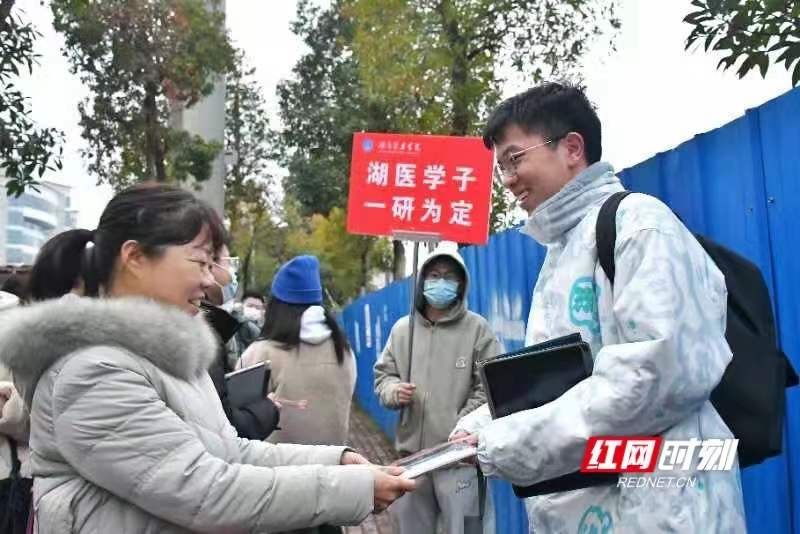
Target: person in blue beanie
311 360
313 369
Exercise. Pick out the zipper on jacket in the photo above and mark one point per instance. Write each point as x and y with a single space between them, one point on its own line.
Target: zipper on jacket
425 393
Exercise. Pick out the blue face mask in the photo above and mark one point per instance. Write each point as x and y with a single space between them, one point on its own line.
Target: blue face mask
440 293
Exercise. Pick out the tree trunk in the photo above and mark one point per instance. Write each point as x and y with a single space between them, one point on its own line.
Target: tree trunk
249 256
5 12
459 69
246 267
154 146
398 260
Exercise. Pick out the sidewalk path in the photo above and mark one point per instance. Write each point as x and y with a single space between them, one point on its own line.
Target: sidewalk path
366 437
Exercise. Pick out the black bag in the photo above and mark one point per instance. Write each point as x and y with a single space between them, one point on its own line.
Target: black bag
532 377
254 421
15 497
751 396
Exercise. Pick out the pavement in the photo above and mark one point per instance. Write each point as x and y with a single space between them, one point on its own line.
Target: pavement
369 440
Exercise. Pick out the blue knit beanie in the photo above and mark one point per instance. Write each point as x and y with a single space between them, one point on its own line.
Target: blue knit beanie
298 281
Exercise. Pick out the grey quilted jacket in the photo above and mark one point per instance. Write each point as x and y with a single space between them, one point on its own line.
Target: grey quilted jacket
128 434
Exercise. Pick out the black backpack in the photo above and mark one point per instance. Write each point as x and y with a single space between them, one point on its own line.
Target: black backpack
751 396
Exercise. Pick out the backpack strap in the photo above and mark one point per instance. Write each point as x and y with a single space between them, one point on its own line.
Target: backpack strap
606 233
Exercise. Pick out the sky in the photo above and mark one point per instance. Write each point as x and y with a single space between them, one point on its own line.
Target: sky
650 93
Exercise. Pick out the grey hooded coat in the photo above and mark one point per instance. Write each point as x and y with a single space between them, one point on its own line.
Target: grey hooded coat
128 434
445 367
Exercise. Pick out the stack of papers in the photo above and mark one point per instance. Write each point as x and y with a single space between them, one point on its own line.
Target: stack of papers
438 457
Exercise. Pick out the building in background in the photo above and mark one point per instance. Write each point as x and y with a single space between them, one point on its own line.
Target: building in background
28 221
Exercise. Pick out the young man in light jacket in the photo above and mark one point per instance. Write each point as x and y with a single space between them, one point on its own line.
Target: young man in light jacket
657 336
441 385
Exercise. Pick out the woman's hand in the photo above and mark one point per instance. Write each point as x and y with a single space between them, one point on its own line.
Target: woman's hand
353 458
281 402
275 401
389 486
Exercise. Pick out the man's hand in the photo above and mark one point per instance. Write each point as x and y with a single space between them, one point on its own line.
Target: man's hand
461 435
405 393
389 486
471 439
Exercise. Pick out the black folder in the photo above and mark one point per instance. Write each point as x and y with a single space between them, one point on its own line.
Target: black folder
247 386
531 377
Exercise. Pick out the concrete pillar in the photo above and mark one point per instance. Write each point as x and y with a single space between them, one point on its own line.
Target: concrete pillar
207 119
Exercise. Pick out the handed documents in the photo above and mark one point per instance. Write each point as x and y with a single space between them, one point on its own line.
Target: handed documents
438 457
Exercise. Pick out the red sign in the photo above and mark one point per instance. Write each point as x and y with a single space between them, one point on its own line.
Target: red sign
427 184
615 454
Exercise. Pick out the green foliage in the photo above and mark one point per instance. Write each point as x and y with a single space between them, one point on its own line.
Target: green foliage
758 32
321 108
248 204
141 59
441 59
346 260
190 156
26 151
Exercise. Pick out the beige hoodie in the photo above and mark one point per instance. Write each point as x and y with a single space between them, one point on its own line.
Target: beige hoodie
309 372
443 368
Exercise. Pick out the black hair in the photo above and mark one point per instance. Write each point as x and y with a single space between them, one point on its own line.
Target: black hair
154 215
55 271
252 294
17 285
282 324
551 110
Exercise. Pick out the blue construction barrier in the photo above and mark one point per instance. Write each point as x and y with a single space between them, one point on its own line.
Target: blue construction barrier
739 184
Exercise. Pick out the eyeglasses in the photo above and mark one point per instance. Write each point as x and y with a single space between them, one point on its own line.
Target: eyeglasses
208 266
508 166
233 263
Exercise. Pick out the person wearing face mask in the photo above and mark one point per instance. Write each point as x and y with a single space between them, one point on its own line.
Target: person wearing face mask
441 385
313 370
251 315
257 420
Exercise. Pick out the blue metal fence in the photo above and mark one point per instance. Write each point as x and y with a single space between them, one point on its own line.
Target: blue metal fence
739 184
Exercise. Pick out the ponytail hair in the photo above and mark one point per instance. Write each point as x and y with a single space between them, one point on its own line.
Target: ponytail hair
59 266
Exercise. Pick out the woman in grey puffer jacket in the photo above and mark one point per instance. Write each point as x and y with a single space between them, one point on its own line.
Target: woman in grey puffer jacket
127 432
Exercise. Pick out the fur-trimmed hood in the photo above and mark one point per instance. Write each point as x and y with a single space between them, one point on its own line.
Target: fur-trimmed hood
32 338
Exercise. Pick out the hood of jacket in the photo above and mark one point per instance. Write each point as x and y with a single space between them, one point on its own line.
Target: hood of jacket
313 328
459 307
32 338
559 214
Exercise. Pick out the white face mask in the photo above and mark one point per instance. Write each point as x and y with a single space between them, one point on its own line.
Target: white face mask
251 313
